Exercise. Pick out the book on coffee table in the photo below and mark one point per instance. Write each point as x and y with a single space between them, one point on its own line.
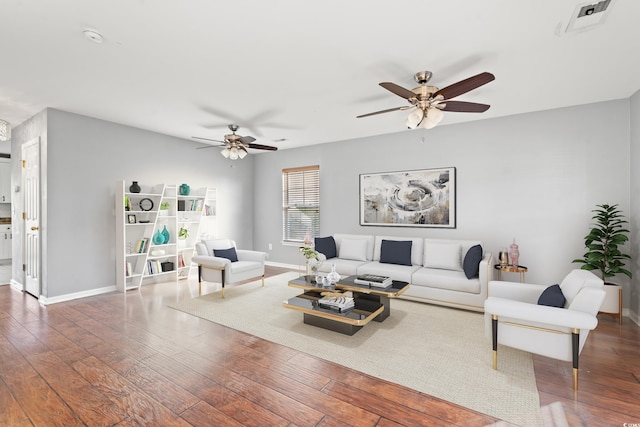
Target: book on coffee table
340 304
373 280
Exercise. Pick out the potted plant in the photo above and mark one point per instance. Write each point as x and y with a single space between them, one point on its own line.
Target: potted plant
164 208
183 233
608 232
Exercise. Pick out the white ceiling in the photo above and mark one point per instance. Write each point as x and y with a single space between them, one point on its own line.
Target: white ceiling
303 70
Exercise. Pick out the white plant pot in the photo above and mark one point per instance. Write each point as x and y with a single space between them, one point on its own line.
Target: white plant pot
612 299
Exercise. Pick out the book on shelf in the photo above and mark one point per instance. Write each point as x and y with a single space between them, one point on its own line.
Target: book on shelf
373 280
142 245
128 270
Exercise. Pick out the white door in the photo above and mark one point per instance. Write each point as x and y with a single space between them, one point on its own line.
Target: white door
31 201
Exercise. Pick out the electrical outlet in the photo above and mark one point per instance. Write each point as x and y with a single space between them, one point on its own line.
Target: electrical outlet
270 246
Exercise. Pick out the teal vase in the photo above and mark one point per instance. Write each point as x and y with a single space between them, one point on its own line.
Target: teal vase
185 190
158 238
166 235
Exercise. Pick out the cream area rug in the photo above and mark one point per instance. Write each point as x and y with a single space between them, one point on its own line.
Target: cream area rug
436 350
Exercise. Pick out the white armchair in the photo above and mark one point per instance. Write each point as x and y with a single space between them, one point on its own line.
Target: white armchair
514 318
211 268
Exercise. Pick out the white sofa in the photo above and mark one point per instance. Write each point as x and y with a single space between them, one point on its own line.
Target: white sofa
435 273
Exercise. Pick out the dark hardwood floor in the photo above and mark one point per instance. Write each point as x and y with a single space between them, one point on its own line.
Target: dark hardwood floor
129 360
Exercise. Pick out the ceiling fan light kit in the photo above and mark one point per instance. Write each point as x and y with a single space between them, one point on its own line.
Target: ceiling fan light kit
429 102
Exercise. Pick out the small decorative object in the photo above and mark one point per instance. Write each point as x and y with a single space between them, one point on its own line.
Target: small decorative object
514 253
333 277
166 235
158 252
134 188
503 257
146 204
164 209
308 240
127 203
158 238
314 258
183 233
131 219
184 190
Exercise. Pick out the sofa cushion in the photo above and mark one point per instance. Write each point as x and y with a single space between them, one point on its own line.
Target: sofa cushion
446 256
229 254
552 296
326 246
355 249
471 263
576 280
445 279
395 252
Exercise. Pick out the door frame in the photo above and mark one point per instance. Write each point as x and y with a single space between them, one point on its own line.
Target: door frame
27 223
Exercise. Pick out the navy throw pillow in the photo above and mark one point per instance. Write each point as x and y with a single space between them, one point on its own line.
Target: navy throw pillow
326 246
471 263
552 296
229 254
396 252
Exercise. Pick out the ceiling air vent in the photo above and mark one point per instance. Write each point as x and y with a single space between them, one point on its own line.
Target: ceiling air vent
589 15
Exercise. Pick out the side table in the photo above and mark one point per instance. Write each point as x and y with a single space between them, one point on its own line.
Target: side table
511 269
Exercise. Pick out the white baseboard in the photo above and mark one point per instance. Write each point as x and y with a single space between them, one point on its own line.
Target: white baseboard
282 265
83 294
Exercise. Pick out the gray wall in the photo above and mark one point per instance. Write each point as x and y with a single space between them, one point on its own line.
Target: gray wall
83 158
533 177
634 300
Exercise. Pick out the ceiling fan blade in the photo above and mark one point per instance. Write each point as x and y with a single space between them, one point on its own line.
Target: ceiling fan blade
262 147
385 111
398 90
464 107
246 139
465 85
209 146
207 139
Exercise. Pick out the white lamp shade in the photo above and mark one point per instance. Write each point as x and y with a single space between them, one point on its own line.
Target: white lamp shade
414 119
225 152
233 153
435 114
242 153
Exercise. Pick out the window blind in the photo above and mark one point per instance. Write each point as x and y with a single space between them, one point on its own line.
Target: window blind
300 202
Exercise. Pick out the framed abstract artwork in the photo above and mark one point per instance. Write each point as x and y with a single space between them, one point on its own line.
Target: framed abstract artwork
418 198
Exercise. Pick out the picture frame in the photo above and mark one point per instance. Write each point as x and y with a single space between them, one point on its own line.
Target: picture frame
131 219
415 198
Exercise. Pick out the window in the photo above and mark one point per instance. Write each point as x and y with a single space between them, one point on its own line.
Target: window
300 203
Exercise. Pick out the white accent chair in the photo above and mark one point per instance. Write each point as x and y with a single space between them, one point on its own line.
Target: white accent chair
211 268
514 319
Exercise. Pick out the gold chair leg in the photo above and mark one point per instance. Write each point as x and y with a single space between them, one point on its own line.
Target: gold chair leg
575 344
494 341
263 281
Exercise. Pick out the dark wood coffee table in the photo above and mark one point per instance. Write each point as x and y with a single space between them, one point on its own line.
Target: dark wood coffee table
371 303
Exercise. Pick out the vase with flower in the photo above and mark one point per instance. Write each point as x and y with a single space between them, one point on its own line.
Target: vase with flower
313 258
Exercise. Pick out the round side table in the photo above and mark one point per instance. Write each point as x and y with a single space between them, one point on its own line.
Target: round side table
511 269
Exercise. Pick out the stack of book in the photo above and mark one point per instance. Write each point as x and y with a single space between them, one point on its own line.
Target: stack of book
340 304
373 280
